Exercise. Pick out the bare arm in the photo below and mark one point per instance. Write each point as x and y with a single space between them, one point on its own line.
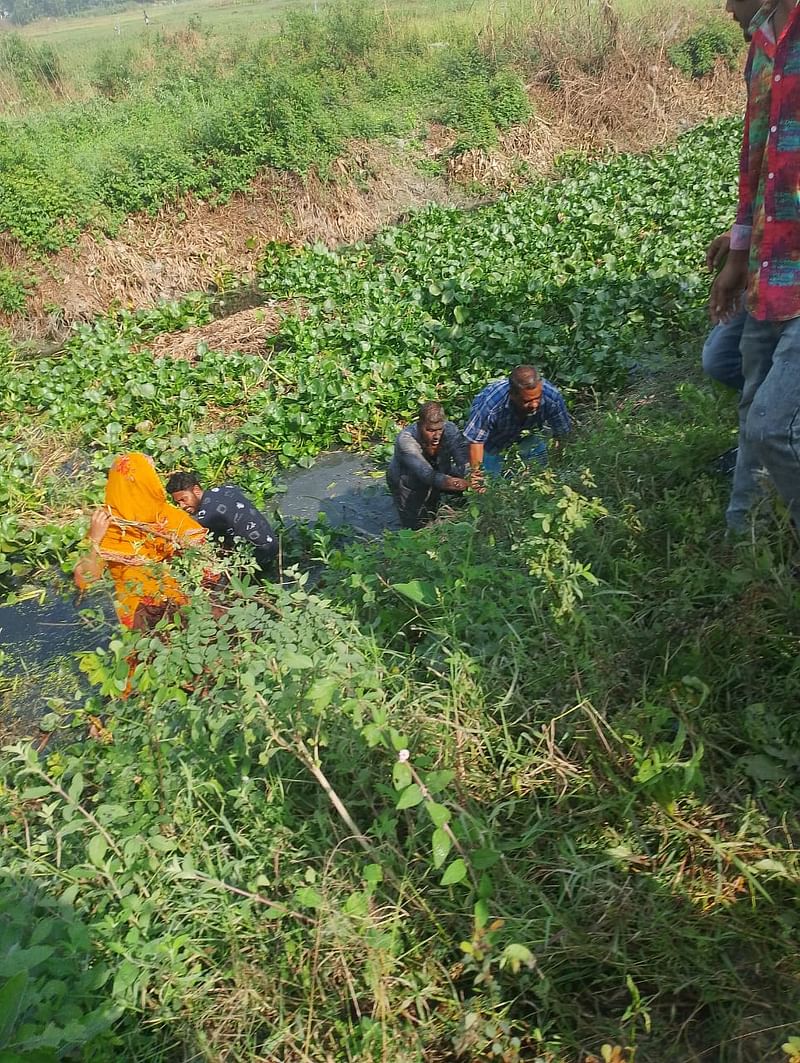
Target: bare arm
726 291
475 463
90 568
475 456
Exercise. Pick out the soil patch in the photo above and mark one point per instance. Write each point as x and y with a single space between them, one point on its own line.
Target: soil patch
195 245
633 104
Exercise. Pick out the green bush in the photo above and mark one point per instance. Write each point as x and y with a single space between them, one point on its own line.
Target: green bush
509 102
31 65
476 98
113 72
51 993
303 33
468 108
697 56
13 291
351 31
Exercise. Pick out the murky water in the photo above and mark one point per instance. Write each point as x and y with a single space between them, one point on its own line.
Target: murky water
35 630
38 638
346 487
38 643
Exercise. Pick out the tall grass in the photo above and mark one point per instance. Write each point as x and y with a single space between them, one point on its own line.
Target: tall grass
537 32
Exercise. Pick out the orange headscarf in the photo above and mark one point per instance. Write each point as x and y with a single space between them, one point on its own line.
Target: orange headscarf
145 531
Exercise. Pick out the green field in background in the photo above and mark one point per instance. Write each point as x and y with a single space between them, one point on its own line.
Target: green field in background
79 37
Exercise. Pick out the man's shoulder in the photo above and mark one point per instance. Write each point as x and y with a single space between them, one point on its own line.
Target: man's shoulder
223 494
407 436
762 34
493 394
550 390
763 15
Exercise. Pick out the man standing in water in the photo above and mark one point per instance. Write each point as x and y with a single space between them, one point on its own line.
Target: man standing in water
505 411
228 514
765 258
430 457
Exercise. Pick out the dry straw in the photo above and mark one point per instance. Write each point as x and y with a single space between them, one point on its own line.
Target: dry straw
246 332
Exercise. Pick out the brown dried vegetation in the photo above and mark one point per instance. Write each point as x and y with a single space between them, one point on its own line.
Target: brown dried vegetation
632 103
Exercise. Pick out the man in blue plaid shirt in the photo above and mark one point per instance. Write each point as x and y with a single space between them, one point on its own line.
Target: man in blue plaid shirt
521 403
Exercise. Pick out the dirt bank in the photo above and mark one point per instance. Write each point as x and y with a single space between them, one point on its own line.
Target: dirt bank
633 104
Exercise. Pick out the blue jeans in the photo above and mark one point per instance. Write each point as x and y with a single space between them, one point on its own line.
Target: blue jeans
722 358
534 448
769 417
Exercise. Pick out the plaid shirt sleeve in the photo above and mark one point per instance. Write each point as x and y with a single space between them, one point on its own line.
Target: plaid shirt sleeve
554 410
479 424
768 219
741 233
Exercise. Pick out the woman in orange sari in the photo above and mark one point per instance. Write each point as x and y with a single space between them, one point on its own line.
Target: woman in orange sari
131 537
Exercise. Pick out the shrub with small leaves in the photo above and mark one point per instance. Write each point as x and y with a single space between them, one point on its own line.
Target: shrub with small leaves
697 56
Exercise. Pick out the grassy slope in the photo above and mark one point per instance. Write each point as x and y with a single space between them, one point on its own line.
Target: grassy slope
187 115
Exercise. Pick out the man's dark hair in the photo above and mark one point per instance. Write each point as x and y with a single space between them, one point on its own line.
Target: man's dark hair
182 481
524 377
431 413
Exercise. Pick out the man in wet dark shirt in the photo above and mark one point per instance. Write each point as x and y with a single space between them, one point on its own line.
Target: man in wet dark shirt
430 457
228 514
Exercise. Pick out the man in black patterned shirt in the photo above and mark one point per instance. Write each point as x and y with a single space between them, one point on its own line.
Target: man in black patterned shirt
228 514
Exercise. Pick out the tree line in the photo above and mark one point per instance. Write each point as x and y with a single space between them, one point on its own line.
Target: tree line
21 12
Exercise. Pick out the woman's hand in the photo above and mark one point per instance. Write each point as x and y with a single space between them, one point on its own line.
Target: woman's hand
90 568
98 526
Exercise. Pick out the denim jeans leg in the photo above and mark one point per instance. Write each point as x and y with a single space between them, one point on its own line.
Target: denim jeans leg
773 421
722 357
533 449
492 463
759 339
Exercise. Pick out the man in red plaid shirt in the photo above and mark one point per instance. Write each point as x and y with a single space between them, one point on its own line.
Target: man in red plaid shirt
765 258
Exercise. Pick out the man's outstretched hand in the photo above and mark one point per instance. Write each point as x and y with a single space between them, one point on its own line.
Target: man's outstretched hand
475 480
